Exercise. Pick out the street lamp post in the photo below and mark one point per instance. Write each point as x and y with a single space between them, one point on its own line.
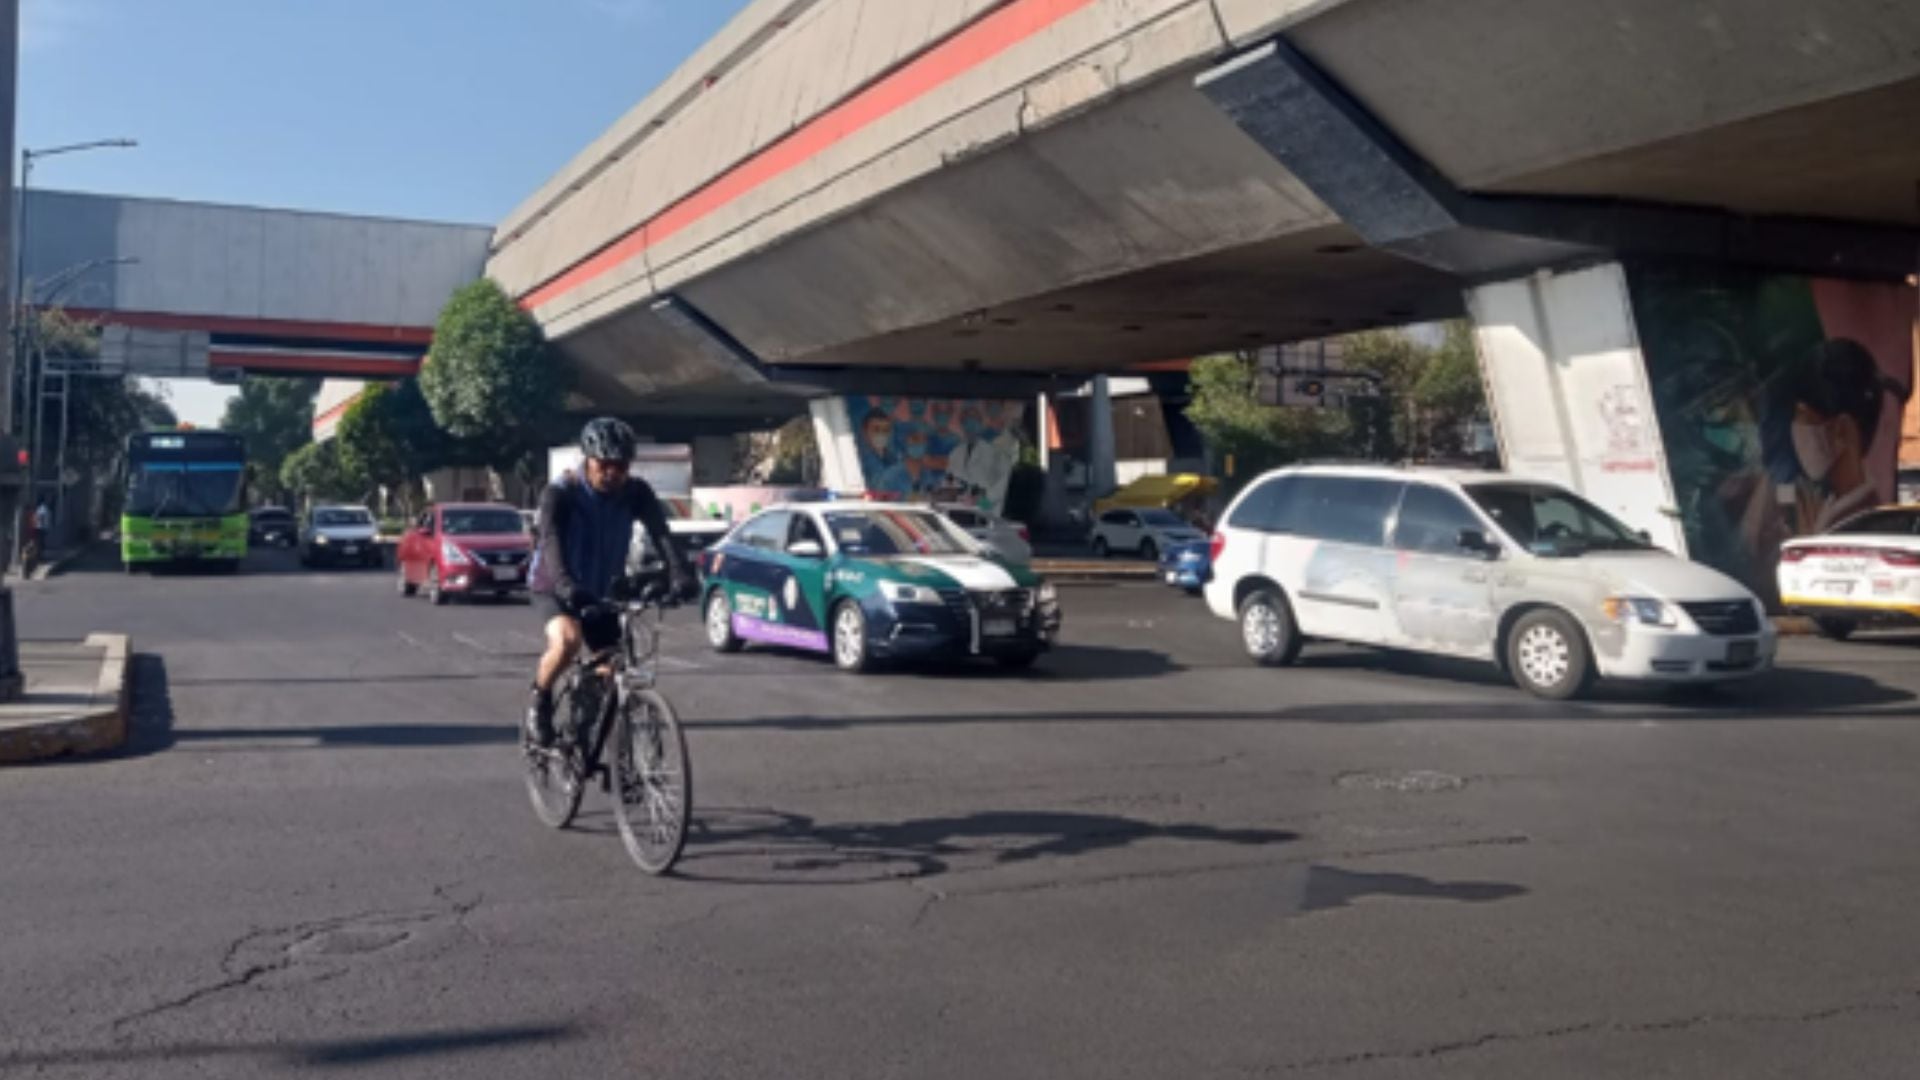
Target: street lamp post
23 295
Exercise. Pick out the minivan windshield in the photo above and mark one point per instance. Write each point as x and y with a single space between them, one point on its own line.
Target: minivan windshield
1162 519
1552 521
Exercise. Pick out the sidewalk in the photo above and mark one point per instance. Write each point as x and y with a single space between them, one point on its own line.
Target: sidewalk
75 703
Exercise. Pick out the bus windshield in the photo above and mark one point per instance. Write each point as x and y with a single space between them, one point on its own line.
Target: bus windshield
188 475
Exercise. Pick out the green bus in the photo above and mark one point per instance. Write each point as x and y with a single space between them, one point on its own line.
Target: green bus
185 500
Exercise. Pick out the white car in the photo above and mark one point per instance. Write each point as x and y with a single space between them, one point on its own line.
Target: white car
1517 572
1012 542
1865 572
1145 533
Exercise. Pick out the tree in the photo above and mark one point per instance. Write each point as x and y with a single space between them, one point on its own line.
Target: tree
314 472
490 381
1256 437
369 445
275 417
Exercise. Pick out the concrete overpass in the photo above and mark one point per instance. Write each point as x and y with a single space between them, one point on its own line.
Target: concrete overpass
216 288
832 192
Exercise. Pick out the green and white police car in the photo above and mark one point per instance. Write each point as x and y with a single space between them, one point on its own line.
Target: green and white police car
865 582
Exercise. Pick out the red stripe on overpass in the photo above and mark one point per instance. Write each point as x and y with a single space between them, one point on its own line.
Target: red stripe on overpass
369 333
343 364
973 46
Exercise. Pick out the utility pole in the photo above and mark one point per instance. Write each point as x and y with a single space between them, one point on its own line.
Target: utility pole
12 681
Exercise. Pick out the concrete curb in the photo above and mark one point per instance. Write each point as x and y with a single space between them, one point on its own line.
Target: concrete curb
1083 572
97 729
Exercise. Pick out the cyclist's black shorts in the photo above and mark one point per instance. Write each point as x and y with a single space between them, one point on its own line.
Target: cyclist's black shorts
599 627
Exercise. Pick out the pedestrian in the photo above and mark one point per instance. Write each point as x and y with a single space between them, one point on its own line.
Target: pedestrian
42 520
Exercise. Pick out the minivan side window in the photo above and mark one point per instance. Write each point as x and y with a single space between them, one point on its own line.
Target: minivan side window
1117 517
1431 520
1342 510
1261 509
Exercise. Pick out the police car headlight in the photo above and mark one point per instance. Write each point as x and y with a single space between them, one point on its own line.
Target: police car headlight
1046 593
901 593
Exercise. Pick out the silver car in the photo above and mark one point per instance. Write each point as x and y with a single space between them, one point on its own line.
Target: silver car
341 536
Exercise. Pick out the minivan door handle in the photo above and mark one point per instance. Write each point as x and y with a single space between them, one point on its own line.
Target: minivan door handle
1474 577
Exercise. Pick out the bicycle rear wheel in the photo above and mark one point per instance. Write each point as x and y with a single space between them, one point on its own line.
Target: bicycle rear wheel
653 781
554 785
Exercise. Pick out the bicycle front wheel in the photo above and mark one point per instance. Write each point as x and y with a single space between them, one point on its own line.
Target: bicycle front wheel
653 781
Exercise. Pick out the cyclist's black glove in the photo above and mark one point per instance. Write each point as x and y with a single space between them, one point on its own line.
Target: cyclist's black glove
577 599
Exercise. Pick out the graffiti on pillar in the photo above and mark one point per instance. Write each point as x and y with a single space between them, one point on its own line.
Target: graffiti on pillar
1629 431
1779 399
912 448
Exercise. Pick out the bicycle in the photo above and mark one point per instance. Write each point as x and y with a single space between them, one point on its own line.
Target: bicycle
610 695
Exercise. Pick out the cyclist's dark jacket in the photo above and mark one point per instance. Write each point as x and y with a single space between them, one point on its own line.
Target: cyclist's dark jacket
585 537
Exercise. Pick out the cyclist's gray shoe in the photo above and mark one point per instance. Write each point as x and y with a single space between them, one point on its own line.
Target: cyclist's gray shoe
539 722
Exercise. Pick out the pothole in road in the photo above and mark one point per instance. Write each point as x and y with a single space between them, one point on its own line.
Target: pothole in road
350 941
1414 782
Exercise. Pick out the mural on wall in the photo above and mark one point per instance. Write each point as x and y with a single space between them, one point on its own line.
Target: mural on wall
962 451
1780 400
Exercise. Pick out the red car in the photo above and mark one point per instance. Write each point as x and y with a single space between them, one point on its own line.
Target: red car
466 549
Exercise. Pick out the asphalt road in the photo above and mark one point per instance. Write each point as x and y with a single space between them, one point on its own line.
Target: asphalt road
1144 859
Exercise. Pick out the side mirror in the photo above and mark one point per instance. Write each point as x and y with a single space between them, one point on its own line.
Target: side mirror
806 549
1475 541
1645 536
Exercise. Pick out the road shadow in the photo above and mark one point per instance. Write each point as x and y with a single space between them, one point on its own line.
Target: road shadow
359 736
773 847
1063 664
1327 888
1782 695
150 716
337 1053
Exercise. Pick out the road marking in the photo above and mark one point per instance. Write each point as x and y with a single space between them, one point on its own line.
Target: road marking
413 641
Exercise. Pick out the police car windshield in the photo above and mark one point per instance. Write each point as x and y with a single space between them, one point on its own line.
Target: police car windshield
881 534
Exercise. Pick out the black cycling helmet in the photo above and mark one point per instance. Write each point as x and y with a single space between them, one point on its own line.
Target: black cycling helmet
607 439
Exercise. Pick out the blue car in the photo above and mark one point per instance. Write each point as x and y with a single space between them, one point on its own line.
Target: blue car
1188 566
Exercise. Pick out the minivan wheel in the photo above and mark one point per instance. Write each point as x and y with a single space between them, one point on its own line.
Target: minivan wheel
1267 629
1149 550
1548 656
1100 548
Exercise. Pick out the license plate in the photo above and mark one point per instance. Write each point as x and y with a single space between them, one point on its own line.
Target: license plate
506 573
1837 588
350 549
999 627
1742 652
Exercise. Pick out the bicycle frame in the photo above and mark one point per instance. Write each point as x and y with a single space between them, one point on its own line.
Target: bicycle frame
629 667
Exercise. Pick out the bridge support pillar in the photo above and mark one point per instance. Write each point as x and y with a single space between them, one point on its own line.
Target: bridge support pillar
1721 409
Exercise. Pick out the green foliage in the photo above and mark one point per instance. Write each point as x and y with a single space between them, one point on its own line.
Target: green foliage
1255 436
1427 396
275 417
490 378
369 446
796 454
314 471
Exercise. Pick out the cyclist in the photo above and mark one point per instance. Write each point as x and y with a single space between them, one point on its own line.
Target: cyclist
586 531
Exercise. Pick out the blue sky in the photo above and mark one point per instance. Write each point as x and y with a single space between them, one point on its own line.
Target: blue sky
448 110
440 109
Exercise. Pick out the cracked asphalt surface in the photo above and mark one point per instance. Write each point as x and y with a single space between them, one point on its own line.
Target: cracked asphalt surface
1144 859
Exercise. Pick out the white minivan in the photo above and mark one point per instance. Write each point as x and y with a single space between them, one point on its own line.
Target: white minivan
1518 572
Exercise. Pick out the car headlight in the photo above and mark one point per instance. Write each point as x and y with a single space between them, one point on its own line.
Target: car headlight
452 555
902 593
1046 594
321 539
1641 609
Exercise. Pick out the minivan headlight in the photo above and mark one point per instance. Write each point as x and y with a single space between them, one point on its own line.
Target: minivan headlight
1641 609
